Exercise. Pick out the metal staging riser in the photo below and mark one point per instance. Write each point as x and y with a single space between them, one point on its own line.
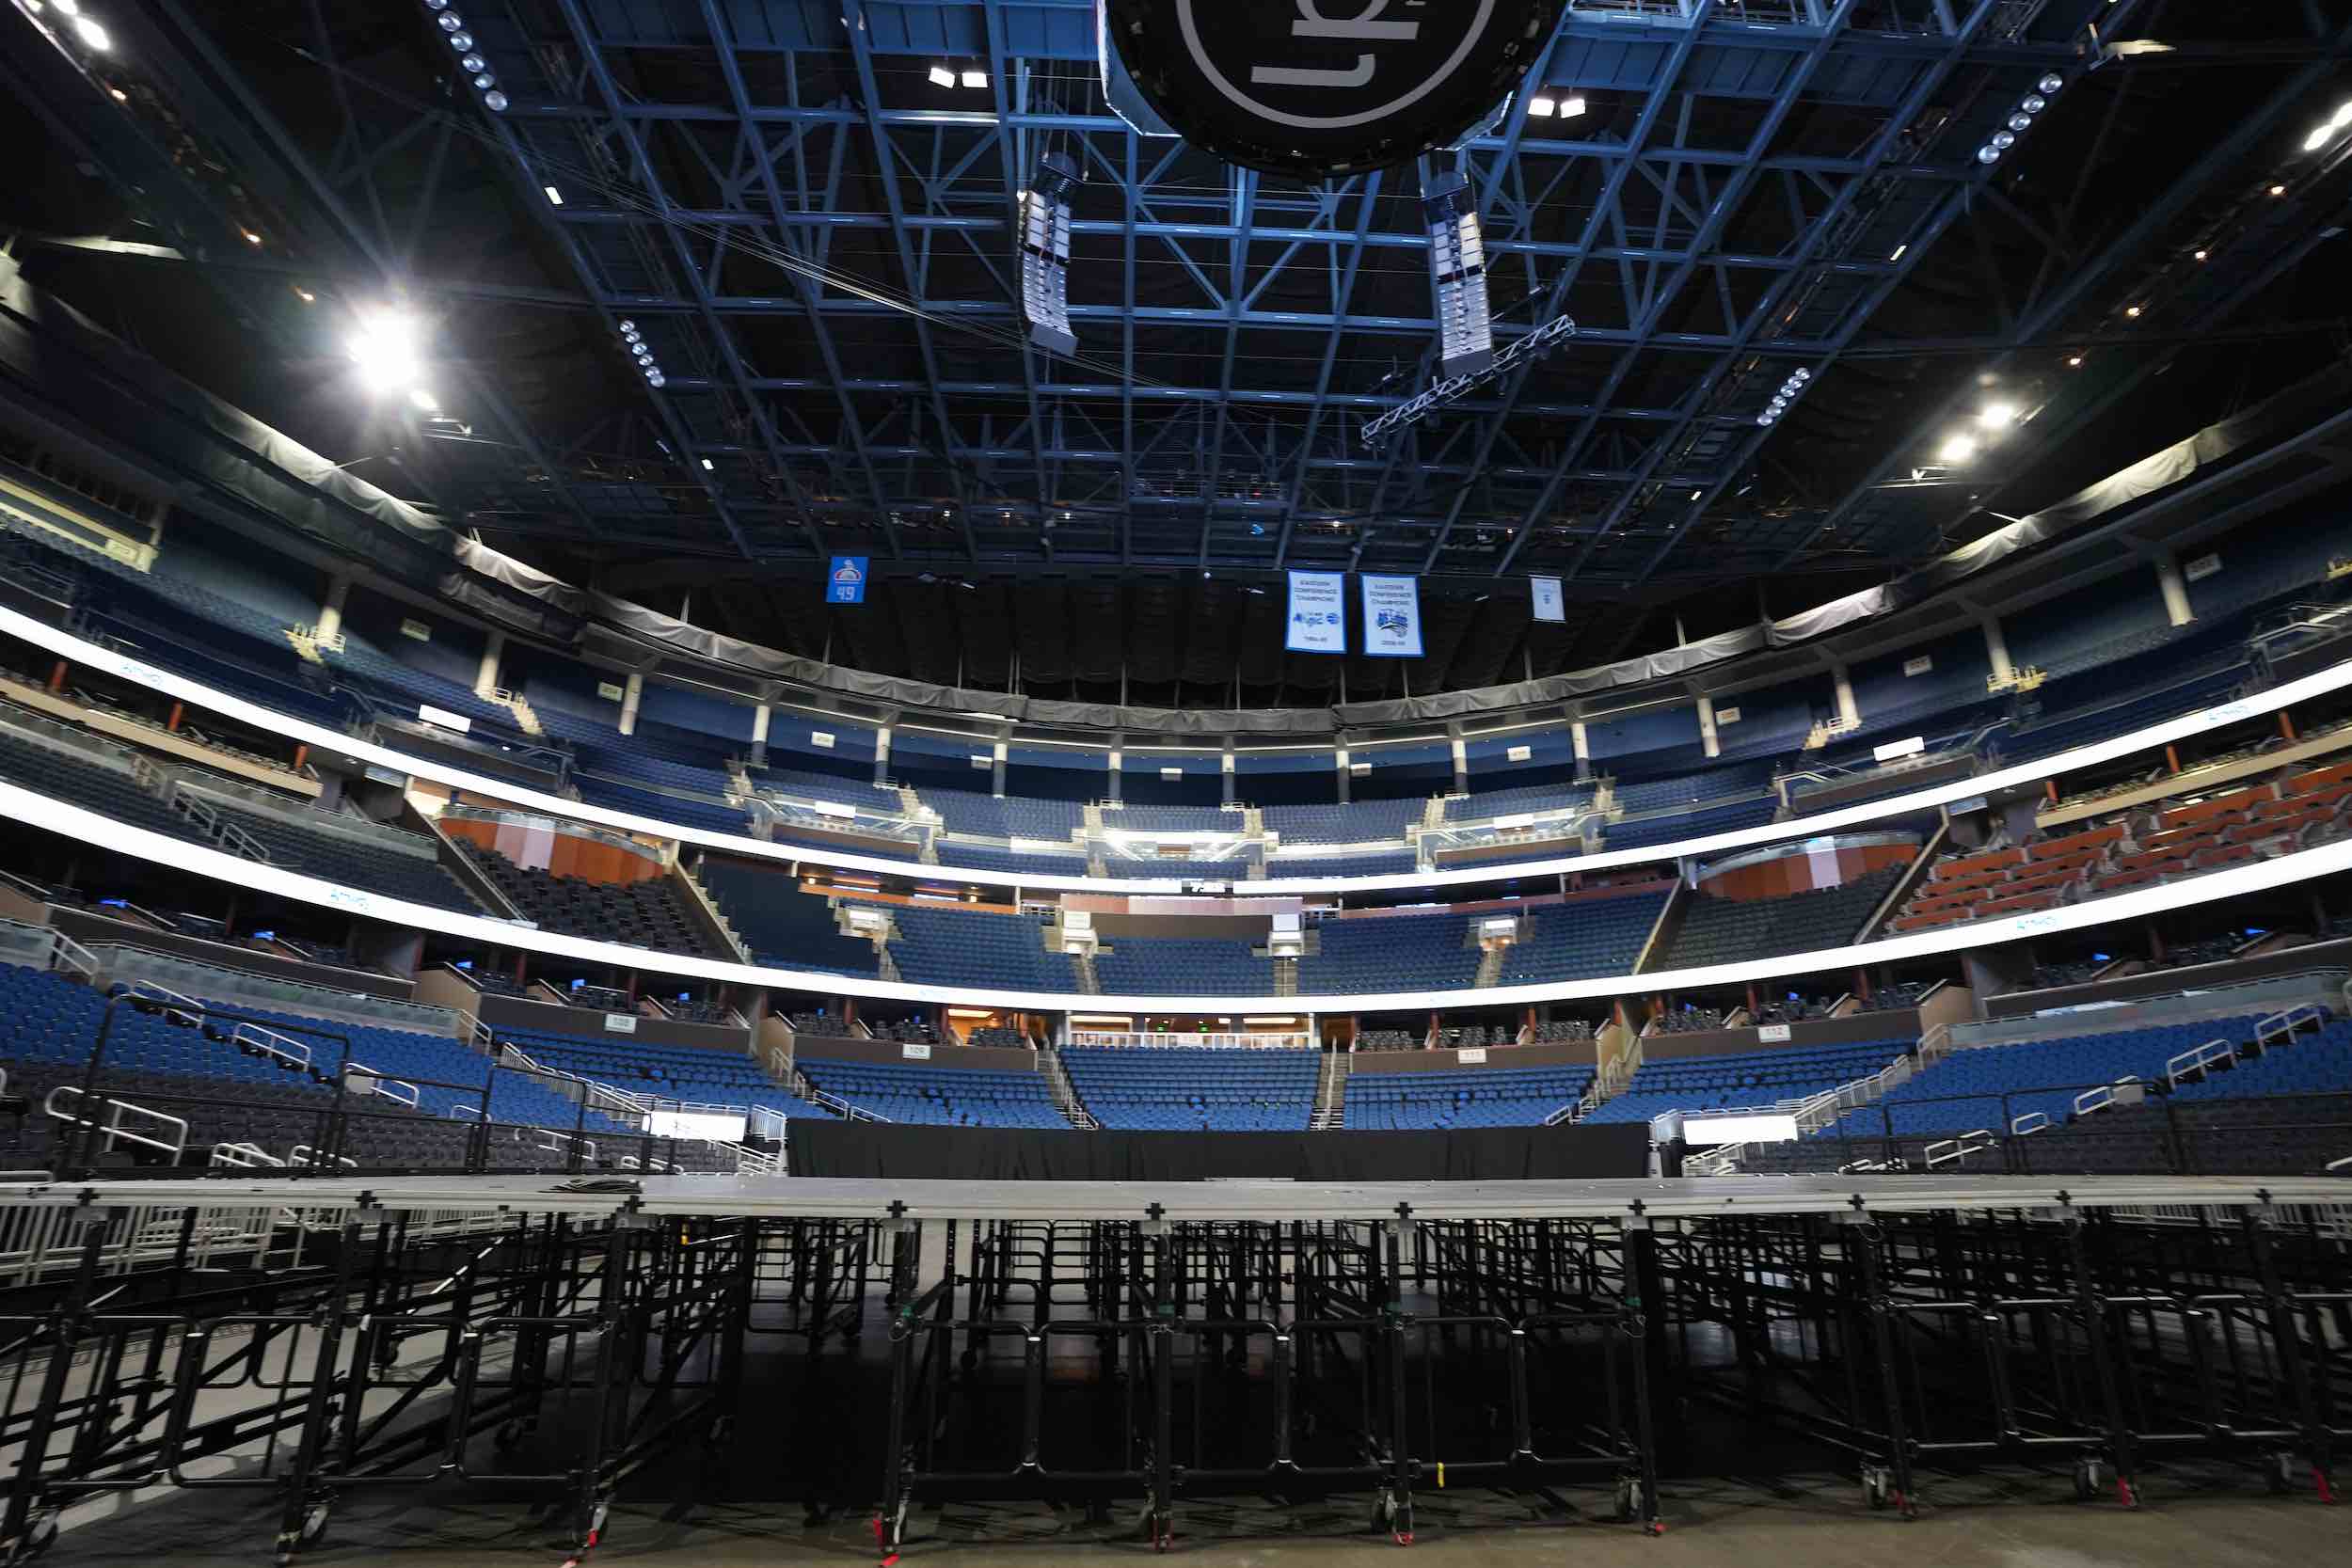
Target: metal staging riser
1154 1344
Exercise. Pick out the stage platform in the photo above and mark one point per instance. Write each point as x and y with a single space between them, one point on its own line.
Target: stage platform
1260 1201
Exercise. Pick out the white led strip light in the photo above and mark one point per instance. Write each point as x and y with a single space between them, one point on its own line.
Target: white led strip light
67 646
90 827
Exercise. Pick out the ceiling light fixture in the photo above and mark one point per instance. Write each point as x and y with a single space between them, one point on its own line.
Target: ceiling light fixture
975 78
942 77
1543 108
555 198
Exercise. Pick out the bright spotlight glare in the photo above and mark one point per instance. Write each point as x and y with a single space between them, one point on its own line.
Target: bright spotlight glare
450 21
1997 416
2343 116
93 34
426 402
1988 153
975 78
68 8
1571 108
942 76
1956 448
1543 108
2318 138
385 348
2051 83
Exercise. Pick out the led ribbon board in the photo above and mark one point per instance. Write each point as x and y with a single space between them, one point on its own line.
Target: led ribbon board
1319 89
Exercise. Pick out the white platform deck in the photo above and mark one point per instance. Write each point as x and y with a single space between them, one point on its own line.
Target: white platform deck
824 1197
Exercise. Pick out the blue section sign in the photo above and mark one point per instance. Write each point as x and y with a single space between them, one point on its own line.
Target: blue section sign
846 583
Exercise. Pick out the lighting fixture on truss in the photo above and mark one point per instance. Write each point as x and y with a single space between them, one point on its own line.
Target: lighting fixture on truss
2020 119
1517 354
1045 253
1791 390
1457 266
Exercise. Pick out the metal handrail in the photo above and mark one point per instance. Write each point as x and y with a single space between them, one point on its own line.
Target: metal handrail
2198 1059
2032 1121
1947 1151
368 1081
244 1156
269 1042
114 1130
2104 1095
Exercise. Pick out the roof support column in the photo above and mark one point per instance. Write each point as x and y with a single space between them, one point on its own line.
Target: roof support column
2175 590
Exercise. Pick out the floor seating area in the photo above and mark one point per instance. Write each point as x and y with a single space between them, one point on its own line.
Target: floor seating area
1463 1097
648 913
1181 1089
938 1097
1748 1078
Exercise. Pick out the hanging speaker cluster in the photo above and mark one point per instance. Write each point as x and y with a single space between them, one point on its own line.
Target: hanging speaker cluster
1319 89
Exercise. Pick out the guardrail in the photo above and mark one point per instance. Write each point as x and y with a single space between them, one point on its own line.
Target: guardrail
1815 1112
2109 1093
244 1157
1946 1151
170 1135
363 1081
270 1043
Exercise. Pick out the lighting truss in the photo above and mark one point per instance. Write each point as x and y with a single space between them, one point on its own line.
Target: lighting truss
1457 265
1045 253
1519 352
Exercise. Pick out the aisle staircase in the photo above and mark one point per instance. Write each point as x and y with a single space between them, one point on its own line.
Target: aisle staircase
1286 977
1331 1094
1066 1098
1088 982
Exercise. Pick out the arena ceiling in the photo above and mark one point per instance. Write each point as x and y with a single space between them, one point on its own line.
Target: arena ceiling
813 237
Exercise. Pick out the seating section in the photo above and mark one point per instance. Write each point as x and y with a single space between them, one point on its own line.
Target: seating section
1464 1096
2135 848
1992 1086
648 913
372 858
694 1074
1182 1089
781 924
982 857
226 1092
1400 952
938 1097
1361 822
1748 1078
1584 939
942 945
661 807
1183 966
1697 823
1724 931
1513 799
1395 862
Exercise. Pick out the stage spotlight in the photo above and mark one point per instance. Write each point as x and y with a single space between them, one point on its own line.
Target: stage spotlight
2051 83
629 330
1956 448
450 21
93 34
495 102
461 41
1988 153
656 378
472 62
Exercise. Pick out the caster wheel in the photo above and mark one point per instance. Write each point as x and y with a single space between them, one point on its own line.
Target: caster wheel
314 1523
2089 1475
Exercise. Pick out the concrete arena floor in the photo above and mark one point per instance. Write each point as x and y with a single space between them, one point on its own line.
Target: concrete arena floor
1802 1523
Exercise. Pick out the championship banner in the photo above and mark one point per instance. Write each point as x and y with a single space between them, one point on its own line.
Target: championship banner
845 582
1550 606
1391 617
1318 618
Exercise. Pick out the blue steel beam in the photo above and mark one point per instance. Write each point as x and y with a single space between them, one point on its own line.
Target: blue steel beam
722 341
2076 283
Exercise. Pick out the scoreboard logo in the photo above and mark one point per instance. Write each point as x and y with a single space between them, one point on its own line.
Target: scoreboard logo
1322 87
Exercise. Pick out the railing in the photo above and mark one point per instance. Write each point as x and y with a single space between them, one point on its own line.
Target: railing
216 829
2107 1095
308 1158
167 1134
1143 1041
2193 1064
1815 1112
1947 1151
362 1080
2281 1028
2032 1121
270 1043
807 1088
244 1157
